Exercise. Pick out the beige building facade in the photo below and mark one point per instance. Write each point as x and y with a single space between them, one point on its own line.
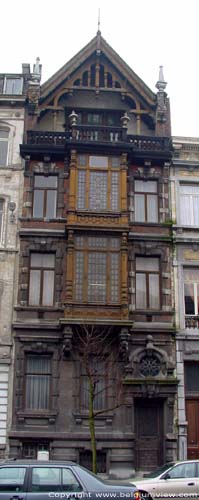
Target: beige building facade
12 99
184 180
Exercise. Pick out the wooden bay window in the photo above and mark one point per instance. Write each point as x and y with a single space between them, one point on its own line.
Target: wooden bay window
97 269
98 183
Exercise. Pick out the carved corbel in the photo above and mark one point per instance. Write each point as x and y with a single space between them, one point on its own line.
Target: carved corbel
67 341
124 337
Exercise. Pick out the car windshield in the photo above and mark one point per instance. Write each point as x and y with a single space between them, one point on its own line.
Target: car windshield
160 470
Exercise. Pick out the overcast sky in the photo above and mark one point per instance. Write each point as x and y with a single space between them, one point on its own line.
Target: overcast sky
145 33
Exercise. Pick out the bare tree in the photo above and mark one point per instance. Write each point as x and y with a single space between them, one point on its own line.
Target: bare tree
102 388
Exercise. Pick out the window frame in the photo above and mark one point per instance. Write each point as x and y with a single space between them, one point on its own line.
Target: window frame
146 195
45 191
27 372
190 196
195 285
147 274
85 249
8 78
85 187
41 270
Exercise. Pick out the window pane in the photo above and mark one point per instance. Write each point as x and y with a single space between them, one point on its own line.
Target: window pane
44 260
51 204
1 217
139 208
13 86
49 181
3 152
114 190
154 297
97 242
82 160
147 264
37 382
4 134
94 119
114 277
98 191
38 205
196 210
146 186
152 208
192 377
140 291
79 275
189 298
115 162
97 277
48 288
191 274
81 197
34 287
98 161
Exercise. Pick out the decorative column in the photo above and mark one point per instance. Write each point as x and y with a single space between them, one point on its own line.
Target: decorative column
72 185
124 276
69 273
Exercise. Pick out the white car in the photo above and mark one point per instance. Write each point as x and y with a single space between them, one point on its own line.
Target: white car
172 480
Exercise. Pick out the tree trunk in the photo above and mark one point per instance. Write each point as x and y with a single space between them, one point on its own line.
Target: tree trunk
92 428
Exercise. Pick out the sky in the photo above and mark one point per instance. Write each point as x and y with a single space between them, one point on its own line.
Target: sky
145 33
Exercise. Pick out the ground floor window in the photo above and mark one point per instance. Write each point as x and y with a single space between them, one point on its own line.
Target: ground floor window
30 449
85 459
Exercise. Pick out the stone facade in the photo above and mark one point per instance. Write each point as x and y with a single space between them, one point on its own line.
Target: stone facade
95 255
184 199
12 99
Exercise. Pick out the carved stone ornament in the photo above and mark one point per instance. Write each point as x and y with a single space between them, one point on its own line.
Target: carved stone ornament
150 365
67 341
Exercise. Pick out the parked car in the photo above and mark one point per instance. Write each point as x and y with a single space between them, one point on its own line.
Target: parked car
172 480
43 480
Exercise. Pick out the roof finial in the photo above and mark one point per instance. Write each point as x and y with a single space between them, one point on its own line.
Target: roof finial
98 50
98 23
161 84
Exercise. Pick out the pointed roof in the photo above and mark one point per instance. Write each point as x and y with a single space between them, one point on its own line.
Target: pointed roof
92 48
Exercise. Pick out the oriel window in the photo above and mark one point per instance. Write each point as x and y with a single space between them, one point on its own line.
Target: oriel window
98 183
97 270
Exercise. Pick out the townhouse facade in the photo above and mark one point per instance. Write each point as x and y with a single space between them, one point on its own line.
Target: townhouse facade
184 204
12 101
96 250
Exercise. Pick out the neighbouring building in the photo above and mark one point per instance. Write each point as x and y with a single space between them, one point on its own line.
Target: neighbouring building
185 215
12 101
96 248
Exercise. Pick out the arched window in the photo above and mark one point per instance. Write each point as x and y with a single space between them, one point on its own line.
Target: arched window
3 147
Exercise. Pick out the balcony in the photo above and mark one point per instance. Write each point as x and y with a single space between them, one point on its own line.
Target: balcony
82 133
54 143
192 322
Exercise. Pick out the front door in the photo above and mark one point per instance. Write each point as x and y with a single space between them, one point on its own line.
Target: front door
149 434
192 415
